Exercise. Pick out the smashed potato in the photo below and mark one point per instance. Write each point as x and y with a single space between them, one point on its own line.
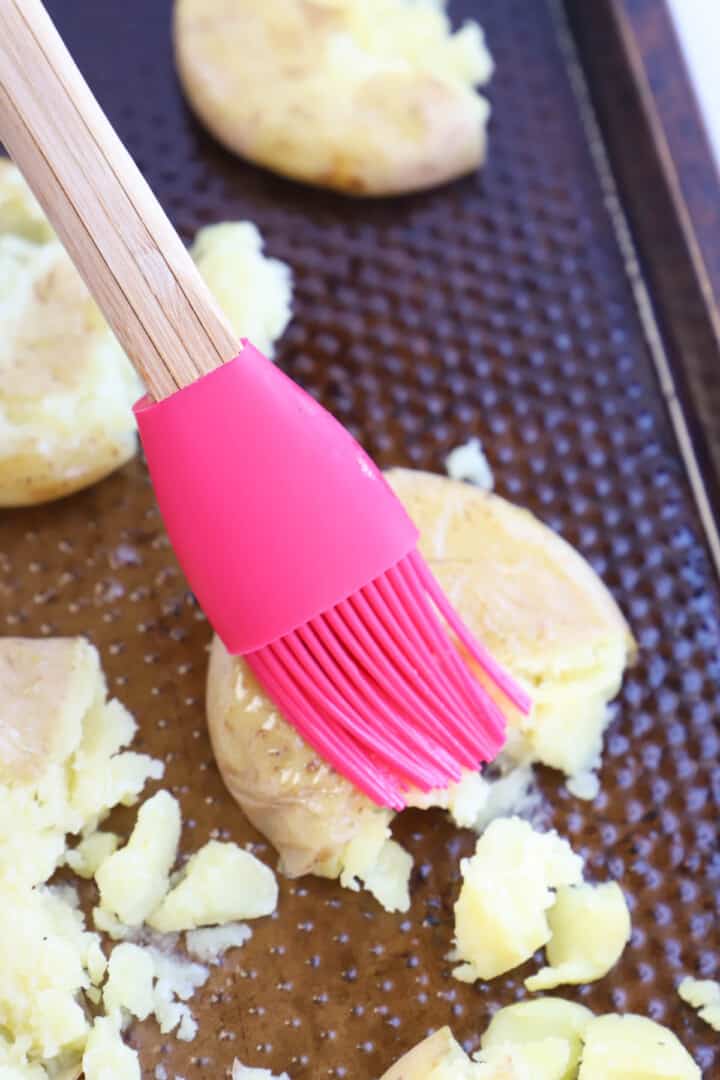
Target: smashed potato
370 97
535 603
66 387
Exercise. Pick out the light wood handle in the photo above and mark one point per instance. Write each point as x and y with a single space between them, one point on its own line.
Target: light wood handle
107 217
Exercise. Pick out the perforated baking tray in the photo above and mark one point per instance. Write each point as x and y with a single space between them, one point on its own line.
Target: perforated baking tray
499 306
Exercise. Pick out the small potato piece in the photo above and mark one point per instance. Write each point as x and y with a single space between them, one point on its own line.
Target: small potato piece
85 859
106 1056
530 1021
221 883
255 292
634 1048
439 1057
246 1072
543 1059
500 915
129 986
590 927
370 97
210 943
134 879
703 995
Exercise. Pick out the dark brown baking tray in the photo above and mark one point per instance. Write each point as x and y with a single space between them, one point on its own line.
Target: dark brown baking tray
499 306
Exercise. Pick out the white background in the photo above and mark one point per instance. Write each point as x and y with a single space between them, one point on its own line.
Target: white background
698 27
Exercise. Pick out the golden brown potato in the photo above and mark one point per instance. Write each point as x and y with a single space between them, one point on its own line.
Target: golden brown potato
524 591
370 97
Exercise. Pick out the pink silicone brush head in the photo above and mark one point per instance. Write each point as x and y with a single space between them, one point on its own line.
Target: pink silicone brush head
305 562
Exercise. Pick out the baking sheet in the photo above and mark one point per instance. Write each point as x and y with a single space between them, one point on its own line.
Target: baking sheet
499 307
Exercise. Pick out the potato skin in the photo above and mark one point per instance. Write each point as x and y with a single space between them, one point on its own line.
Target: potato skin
267 81
307 810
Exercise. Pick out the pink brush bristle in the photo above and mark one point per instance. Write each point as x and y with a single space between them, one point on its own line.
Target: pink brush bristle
377 686
311 572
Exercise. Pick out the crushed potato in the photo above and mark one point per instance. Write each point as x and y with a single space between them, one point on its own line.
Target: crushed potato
440 1057
244 1072
133 880
372 97
90 852
106 1056
533 1021
541 610
468 462
590 926
219 884
65 425
63 767
501 913
129 986
547 1039
703 995
523 889
380 863
62 742
209 943
254 291
633 1048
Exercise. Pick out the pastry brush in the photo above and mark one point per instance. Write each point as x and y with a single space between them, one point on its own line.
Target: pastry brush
295 546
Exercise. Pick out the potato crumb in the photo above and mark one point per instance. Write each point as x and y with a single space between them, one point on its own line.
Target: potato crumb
501 913
703 995
210 943
530 1021
590 926
85 859
133 880
253 290
468 462
380 864
388 879
106 1056
623 1047
244 1072
63 765
220 883
129 986
546 1039
584 785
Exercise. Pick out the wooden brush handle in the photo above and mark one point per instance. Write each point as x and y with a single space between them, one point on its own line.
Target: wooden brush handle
107 217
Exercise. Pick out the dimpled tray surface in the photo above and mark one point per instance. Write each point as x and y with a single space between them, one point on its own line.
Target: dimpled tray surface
498 306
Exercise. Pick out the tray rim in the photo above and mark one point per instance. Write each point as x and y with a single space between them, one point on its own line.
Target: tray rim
630 48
